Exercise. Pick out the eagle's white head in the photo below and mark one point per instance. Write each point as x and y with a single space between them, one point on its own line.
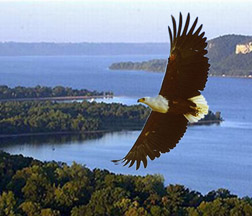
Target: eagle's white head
158 104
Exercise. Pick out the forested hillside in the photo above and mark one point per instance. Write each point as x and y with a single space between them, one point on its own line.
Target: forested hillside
224 60
35 188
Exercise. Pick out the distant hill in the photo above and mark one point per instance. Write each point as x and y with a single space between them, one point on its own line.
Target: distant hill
229 55
52 49
223 57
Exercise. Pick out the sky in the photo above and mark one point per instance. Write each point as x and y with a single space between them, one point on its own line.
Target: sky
116 20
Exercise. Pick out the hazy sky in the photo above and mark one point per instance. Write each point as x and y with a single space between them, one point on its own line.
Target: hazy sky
116 20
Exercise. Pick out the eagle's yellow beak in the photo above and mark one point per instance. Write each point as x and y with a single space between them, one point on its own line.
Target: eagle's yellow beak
141 100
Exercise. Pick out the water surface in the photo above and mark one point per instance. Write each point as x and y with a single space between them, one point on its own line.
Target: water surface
207 158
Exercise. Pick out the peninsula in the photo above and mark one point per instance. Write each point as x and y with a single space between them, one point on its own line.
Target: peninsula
38 93
36 110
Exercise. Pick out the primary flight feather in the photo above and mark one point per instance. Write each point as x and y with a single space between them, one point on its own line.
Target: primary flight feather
179 99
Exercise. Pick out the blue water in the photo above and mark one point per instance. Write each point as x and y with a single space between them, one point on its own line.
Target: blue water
89 72
207 158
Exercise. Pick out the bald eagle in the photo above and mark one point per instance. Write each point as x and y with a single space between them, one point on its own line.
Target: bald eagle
179 100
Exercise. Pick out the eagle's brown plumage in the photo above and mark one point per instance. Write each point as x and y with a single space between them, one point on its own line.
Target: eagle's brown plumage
187 67
185 76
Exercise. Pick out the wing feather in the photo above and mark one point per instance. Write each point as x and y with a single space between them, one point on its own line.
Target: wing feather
170 34
193 27
180 24
174 27
198 30
186 25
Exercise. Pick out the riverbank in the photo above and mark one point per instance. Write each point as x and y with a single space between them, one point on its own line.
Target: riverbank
204 122
64 98
210 75
207 122
53 133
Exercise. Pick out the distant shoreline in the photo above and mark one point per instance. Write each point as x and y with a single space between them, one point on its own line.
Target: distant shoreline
210 75
229 76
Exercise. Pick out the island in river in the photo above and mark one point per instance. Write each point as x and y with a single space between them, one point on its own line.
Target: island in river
47 117
30 111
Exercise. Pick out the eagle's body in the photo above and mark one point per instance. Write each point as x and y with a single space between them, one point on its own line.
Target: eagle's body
192 108
179 99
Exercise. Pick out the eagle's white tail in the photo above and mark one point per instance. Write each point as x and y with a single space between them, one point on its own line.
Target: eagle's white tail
201 108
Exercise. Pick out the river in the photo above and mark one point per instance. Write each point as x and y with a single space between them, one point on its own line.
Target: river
207 158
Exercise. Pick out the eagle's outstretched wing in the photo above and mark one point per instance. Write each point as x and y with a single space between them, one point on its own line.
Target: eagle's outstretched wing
187 67
186 74
160 134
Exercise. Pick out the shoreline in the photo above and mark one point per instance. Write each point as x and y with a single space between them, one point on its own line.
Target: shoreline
210 75
53 133
63 98
229 76
207 123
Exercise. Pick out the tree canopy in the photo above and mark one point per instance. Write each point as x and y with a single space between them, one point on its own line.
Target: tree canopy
32 187
18 117
34 117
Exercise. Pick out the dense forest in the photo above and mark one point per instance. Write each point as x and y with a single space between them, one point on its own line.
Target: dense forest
40 117
34 117
221 53
34 188
44 91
